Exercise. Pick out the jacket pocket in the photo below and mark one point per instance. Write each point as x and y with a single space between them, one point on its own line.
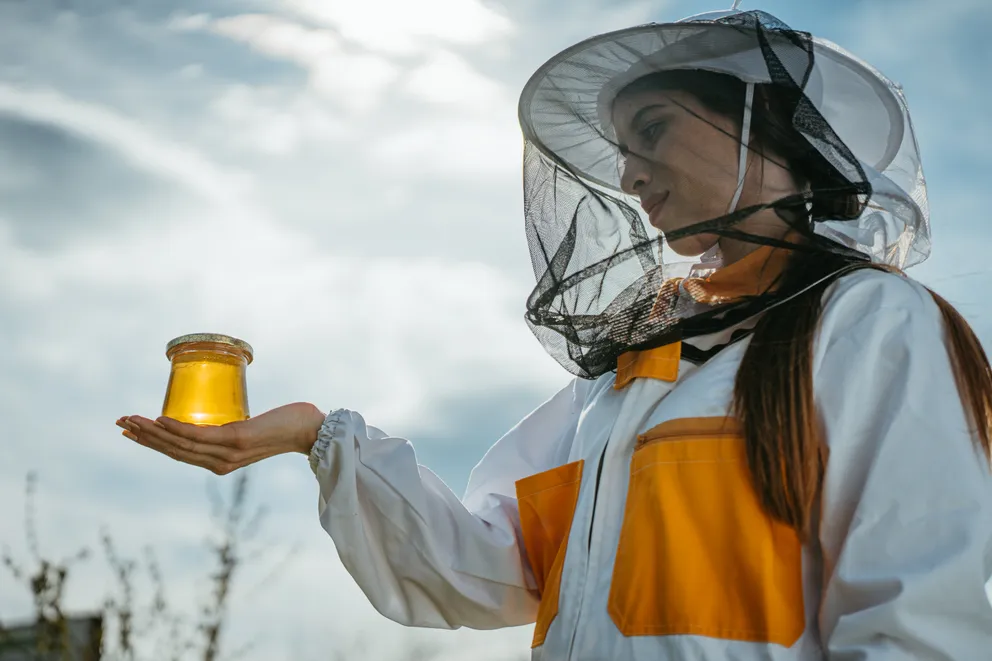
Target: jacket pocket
697 554
547 504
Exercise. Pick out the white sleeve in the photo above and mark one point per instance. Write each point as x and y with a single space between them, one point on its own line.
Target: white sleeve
906 516
422 556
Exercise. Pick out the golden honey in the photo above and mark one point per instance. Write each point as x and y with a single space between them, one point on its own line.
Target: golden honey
207 382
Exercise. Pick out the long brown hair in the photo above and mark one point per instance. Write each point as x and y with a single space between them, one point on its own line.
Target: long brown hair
774 399
773 392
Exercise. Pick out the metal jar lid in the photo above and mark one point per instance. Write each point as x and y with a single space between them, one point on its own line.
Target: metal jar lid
211 337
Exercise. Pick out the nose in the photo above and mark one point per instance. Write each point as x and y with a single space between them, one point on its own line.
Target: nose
634 175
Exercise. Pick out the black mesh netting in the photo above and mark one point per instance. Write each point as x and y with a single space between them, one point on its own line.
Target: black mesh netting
608 279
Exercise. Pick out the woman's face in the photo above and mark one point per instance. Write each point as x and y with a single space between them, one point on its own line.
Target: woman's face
682 162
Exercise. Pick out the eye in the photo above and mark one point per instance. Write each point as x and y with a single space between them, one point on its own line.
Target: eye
651 132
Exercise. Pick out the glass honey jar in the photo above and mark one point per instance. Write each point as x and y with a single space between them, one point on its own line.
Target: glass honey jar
207 384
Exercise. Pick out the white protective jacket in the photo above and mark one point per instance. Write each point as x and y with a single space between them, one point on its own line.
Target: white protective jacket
620 518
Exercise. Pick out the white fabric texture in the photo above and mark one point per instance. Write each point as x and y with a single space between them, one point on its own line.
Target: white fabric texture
422 556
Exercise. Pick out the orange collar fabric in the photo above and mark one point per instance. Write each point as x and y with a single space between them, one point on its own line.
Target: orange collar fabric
753 275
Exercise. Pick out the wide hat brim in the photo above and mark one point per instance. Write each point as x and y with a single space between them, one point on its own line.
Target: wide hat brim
565 108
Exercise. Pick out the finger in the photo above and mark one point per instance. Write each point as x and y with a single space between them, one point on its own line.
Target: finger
209 440
219 466
229 435
218 459
156 436
213 464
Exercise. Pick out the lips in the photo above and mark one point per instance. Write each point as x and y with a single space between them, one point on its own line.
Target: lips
653 206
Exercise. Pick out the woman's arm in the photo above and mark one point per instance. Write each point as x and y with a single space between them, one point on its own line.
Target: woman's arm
421 555
906 525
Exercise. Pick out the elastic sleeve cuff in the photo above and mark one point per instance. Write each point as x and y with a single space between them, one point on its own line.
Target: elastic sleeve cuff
332 427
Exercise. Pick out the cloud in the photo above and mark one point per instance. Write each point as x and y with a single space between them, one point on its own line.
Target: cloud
277 36
185 22
447 79
356 79
57 187
144 150
403 28
352 80
273 121
462 129
461 148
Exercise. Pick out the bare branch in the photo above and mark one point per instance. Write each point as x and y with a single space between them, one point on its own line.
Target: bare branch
30 530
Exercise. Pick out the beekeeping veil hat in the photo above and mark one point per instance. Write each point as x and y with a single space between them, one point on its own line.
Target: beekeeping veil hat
607 282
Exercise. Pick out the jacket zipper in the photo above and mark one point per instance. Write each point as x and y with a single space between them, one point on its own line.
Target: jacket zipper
631 401
592 519
595 495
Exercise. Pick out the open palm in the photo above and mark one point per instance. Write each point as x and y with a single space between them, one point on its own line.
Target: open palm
226 448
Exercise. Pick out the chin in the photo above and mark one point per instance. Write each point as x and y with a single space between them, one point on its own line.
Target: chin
692 246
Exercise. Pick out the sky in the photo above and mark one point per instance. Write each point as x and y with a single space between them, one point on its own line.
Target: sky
339 184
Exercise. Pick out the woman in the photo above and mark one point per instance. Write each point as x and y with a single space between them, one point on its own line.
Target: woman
776 446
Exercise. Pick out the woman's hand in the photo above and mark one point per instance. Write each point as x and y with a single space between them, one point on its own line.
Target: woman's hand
226 448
